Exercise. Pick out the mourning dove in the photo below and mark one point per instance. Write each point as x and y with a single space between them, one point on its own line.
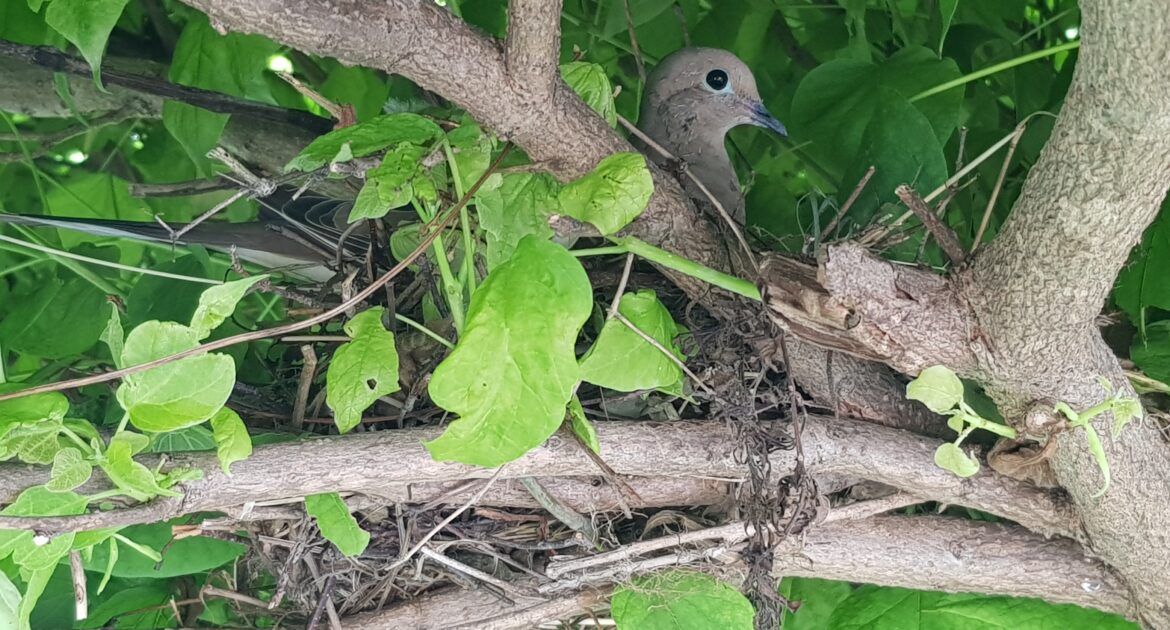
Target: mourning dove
693 98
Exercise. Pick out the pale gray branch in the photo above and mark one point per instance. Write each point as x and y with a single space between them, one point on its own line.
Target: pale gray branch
695 450
533 47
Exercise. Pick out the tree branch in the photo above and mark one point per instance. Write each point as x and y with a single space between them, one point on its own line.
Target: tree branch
533 47
696 450
911 552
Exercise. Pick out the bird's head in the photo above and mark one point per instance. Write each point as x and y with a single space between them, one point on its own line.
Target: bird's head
713 86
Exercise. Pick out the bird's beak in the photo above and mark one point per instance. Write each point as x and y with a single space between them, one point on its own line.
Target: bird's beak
759 116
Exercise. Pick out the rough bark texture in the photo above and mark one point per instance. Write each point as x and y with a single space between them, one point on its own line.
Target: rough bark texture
1020 320
951 555
694 450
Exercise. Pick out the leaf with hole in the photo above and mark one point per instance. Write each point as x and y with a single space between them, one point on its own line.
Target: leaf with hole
362 370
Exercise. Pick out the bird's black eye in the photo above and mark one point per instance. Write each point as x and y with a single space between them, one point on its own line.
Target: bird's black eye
717 80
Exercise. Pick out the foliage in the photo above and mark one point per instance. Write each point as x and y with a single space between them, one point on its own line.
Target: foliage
882 84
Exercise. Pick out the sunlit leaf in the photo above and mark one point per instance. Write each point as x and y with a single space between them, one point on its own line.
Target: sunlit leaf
337 525
950 457
611 196
590 82
231 438
936 387
525 317
365 138
362 370
70 470
680 600
622 360
217 304
517 208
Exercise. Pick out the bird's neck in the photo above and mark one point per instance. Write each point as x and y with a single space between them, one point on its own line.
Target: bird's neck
707 159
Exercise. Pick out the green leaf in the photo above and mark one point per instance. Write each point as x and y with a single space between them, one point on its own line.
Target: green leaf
97 196
838 100
1142 283
34 586
231 438
70 470
611 196
114 337
472 149
680 600
38 501
60 321
193 555
621 360
9 604
525 317
390 183
125 601
582 426
946 9
217 304
196 438
197 130
32 409
517 208
362 370
887 608
899 144
817 599
87 24
366 138
175 395
950 457
936 387
337 525
591 83
132 478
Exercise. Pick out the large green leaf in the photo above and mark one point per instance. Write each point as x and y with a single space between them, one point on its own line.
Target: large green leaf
514 369
590 82
177 394
817 599
59 321
681 600
517 208
366 138
362 370
836 102
612 195
1143 282
622 360
1152 352
878 608
86 23
192 555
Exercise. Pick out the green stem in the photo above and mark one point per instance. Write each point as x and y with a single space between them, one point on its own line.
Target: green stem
464 222
999 67
666 259
452 289
599 251
424 330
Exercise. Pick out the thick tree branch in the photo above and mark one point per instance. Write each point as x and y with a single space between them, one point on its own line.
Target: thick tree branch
532 50
638 449
912 552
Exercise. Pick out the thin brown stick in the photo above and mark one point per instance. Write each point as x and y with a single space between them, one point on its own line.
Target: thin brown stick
848 203
634 42
326 593
435 228
941 231
1007 160
308 371
665 351
450 517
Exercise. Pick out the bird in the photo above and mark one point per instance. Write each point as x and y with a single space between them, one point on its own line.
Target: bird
693 97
